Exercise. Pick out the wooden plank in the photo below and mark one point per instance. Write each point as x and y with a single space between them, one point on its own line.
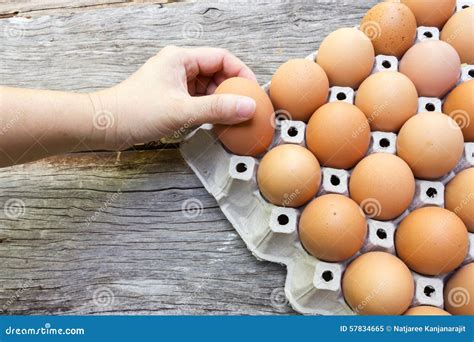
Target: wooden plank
30 8
113 224
140 247
99 48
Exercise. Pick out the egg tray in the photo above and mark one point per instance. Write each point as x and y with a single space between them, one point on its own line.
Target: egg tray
271 232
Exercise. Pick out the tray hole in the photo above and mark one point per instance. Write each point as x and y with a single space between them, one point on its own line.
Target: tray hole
430 107
335 180
283 220
241 167
341 96
465 6
292 132
428 34
386 64
429 291
471 72
431 192
384 142
381 234
327 276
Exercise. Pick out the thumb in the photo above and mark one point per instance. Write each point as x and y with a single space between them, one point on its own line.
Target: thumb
222 108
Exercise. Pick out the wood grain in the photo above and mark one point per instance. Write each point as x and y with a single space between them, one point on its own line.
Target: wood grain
35 8
114 224
140 251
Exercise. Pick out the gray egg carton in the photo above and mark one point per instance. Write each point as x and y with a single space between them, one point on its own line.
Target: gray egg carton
271 232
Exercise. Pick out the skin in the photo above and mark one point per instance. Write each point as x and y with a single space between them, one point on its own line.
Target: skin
171 91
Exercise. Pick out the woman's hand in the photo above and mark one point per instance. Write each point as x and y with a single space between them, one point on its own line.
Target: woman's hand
170 91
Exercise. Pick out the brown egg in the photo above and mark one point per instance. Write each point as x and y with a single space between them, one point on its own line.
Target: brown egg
459 291
378 283
347 57
253 136
433 66
392 28
432 241
338 134
388 99
459 32
431 143
459 105
431 12
289 175
383 185
426 310
459 197
332 228
299 87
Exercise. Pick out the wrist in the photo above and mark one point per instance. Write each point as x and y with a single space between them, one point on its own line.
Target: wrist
103 113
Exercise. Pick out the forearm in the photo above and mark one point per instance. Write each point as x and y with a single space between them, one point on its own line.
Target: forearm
39 123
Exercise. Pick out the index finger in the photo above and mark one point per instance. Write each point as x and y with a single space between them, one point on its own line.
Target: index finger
209 61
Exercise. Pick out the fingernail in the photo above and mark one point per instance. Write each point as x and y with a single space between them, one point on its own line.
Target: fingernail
245 107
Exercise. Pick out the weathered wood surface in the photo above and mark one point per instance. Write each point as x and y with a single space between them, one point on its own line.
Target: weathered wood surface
35 8
141 254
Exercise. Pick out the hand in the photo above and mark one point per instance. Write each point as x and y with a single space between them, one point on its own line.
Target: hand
170 91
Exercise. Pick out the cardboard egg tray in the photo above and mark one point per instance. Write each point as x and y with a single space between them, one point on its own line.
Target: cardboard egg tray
271 232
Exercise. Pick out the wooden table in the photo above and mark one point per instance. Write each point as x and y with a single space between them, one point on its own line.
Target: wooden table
104 232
